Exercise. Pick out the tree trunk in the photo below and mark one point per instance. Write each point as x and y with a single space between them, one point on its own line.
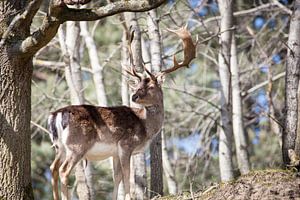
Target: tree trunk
291 85
156 181
70 46
237 113
124 91
95 64
138 165
15 113
168 170
225 133
124 64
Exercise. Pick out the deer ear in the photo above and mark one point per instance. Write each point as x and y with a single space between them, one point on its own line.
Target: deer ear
160 78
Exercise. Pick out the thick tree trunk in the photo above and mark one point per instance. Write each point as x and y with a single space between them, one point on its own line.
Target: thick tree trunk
156 181
15 114
237 113
225 133
292 84
15 110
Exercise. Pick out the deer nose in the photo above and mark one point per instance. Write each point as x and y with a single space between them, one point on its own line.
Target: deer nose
134 97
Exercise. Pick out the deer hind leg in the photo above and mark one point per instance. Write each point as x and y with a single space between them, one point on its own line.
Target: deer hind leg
117 170
54 170
64 171
124 152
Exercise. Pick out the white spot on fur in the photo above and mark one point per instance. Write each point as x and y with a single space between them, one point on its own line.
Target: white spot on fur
64 135
101 151
58 124
61 133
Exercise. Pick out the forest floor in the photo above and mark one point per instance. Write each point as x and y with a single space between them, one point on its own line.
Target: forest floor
264 184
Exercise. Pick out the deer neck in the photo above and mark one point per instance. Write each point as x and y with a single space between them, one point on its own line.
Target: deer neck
153 117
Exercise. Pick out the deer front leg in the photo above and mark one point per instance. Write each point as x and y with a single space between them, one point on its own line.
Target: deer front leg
117 176
54 170
124 152
64 171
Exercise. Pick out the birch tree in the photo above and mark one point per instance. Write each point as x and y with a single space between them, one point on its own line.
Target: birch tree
225 132
237 112
291 131
95 64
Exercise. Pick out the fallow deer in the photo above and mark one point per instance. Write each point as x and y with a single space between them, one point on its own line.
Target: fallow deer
96 133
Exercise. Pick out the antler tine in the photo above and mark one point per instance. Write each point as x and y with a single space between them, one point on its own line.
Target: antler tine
153 77
132 70
189 49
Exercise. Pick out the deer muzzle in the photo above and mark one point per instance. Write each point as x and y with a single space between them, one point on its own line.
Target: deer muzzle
134 97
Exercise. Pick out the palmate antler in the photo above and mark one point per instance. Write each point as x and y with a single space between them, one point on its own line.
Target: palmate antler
189 50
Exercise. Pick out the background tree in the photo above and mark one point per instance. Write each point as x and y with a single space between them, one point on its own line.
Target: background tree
156 185
291 88
225 132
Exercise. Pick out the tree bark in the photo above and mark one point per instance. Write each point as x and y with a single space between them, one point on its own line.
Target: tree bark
168 170
156 181
124 65
15 114
291 85
95 64
237 113
225 133
138 167
15 105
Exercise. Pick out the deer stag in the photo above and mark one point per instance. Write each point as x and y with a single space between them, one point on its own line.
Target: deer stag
96 133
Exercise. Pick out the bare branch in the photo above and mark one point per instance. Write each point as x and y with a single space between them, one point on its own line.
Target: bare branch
59 13
24 17
264 7
262 84
110 9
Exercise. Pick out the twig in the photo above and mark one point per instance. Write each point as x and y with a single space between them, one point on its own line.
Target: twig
192 95
285 9
260 85
40 127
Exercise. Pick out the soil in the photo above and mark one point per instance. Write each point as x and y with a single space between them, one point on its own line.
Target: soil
265 185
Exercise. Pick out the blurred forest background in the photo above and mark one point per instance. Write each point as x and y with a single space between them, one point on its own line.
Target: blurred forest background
192 96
